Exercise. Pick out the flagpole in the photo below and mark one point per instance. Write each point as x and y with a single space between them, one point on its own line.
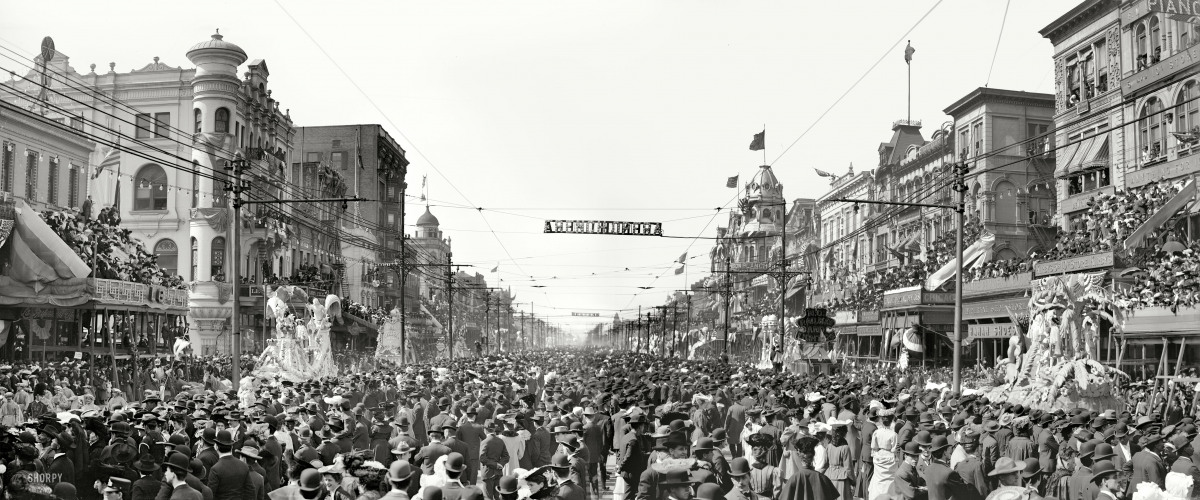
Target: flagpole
909 64
764 144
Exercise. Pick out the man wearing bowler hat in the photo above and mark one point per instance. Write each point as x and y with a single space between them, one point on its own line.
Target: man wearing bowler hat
175 472
228 477
1147 464
941 481
493 455
1104 475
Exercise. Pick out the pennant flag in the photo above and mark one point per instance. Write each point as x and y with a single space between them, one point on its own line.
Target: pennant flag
731 182
823 173
760 141
679 270
682 257
423 181
497 268
908 52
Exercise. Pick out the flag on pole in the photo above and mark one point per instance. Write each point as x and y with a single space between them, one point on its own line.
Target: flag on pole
823 173
682 257
497 268
732 182
760 141
679 270
908 52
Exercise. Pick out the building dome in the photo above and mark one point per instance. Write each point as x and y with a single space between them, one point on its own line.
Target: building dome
217 43
764 184
427 218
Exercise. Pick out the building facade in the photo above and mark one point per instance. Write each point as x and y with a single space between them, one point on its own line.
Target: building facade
172 131
373 166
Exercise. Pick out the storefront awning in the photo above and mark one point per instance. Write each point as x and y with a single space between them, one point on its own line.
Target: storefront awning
1095 156
1173 206
1066 156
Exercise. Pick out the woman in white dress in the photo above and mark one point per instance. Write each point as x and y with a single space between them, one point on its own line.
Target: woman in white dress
514 441
883 454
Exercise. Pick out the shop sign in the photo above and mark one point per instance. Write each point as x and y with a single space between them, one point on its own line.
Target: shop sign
709 314
868 316
1187 11
870 331
1080 201
1081 263
604 227
1165 69
588 315
916 296
996 331
996 309
992 286
761 280
1169 170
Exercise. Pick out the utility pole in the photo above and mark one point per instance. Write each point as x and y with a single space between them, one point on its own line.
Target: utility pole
237 168
523 332
960 185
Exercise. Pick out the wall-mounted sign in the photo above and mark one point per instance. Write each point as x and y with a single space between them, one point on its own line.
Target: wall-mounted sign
604 227
994 331
1087 262
586 315
762 280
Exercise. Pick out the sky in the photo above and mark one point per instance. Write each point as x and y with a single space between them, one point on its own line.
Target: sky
520 111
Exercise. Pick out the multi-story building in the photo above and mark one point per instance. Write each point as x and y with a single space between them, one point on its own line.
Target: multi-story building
176 129
42 161
845 246
373 166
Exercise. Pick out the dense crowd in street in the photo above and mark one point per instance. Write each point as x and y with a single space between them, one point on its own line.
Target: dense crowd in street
544 424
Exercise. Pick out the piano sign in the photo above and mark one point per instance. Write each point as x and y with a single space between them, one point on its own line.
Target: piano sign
604 227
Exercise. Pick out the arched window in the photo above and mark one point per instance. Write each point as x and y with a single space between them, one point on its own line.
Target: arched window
218 258
1141 53
168 256
1188 110
195 258
1150 128
1155 40
221 124
150 188
199 116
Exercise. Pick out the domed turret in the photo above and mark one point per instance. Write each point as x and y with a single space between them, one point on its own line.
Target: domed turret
216 56
427 218
763 208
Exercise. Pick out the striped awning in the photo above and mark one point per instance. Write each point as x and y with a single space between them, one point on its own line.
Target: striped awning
1095 156
1066 155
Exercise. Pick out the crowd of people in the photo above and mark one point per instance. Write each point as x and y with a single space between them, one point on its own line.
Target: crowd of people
1110 218
1164 278
544 424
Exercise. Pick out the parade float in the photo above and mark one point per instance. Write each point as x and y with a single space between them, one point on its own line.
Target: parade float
391 338
1055 363
299 348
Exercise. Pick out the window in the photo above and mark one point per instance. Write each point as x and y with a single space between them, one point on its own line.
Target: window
73 187
195 184
1188 110
199 117
221 123
218 259
237 133
52 182
1155 40
31 174
1150 131
1186 35
168 256
218 199
156 125
1100 67
1139 47
312 156
195 258
150 188
338 158
6 179
1038 136
977 138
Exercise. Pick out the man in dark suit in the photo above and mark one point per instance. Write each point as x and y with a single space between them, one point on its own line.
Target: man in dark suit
146 487
941 481
454 489
431 453
450 431
255 484
595 431
567 489
229 477
493 455
61 468
631 461
735 419
1147 464
437 421
175 470
1047 451
471 434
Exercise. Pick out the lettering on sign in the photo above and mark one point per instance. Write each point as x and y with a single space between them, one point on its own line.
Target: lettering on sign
843 317
587 315
868 316
996 309
1080 263
604 227
992 286
762 280
1179 10
917 297
1165 68
1169 170
870 331
996 331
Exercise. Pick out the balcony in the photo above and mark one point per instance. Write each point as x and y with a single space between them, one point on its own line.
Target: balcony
996 286
1151 69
